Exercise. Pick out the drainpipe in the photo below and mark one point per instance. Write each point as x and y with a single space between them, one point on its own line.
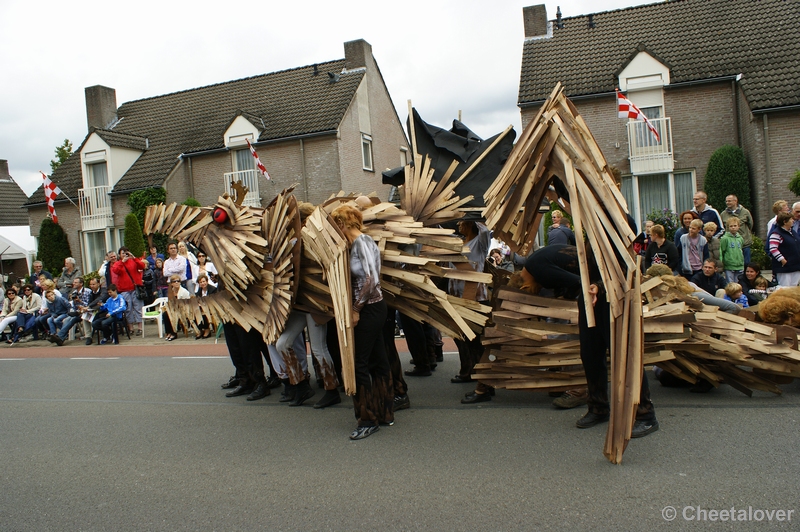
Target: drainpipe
766 160
736 110
303 169
191 179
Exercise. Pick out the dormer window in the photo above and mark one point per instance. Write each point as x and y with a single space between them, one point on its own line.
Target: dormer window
97 174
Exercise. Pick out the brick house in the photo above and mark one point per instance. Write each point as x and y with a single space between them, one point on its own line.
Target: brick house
13 252
707 73
325 127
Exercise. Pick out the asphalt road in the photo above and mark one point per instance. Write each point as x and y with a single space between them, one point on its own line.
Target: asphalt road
151 443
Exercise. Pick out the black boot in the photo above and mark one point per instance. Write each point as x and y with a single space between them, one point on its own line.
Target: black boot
288 393
259 392
245 386
304 391
330 398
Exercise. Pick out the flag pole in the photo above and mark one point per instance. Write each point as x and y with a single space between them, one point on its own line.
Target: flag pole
68 198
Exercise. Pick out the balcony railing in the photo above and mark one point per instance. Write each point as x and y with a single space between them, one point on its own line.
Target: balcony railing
649 155
249 178
95 206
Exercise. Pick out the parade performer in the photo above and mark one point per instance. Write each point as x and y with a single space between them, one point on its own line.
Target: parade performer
556 267
374 398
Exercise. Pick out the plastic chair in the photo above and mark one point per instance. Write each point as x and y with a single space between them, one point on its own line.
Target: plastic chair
153 312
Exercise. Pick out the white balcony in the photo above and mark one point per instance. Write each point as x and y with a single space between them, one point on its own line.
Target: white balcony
249 178
95 206
649 155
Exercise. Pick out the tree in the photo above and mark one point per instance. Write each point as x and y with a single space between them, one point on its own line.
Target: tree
62 154
134 239
727 174
53 247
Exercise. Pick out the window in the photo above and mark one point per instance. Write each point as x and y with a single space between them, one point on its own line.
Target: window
243 160
366 152
647 193
97 174
95 249
403 156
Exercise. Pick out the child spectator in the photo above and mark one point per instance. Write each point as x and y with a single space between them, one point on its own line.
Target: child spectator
111 312
733 292
694 250
710 229
641 242
731 250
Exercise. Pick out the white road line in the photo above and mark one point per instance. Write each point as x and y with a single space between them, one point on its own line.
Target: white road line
94 358
178 358
13 359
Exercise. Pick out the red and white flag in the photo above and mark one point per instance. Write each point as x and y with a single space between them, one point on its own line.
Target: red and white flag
627 109
259 164
51 191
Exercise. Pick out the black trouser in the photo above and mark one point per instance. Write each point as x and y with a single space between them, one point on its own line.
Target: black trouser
374 399
333 349
469 352
237 354
594 343
416 341
399 382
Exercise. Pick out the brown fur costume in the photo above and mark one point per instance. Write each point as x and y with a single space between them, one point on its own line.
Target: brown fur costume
782 307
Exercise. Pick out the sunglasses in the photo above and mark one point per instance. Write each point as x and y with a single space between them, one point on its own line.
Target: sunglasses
173 282
201 256
28 290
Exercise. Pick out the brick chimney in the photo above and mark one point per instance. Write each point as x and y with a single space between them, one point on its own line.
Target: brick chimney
4 169
101 106
356 54
535 20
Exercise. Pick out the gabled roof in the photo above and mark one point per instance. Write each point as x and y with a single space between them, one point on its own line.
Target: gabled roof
697 39
280 104
11 199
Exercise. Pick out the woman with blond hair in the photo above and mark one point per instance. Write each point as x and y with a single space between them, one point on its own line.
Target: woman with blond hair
374 399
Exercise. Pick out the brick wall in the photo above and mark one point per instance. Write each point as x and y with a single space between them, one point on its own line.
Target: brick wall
702 121
784 152
69 219
752 135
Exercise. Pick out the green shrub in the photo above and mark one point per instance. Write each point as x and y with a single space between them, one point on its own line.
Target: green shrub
139 200
668 219
191 202
727 174
134 239
53 247
794 184
758 255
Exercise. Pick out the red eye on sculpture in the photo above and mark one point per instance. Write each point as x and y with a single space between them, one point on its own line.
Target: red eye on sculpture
220 216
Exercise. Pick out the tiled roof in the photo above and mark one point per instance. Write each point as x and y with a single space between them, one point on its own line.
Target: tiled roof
280 104
11 199
698 39
122 140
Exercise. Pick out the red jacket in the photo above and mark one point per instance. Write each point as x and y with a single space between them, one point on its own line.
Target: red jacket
135 267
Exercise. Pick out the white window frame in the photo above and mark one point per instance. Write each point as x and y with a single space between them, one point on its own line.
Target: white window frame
366 153
635 207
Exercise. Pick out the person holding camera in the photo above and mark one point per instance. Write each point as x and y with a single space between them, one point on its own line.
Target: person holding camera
497 260
128 270
79 299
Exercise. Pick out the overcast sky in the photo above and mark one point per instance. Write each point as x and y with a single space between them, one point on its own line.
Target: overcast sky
444 55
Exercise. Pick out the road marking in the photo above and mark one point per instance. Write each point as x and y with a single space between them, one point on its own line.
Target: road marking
215 356
94 358
13 359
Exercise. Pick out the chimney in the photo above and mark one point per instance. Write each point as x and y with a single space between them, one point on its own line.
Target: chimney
101 107
356 54
535 20
4 169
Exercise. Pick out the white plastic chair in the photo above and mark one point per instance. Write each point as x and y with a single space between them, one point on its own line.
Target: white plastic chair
153 312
